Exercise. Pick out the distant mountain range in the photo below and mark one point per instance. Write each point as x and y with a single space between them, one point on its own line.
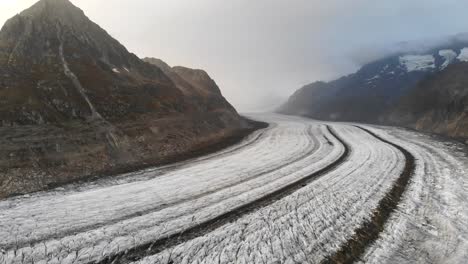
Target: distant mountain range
425 90
74 103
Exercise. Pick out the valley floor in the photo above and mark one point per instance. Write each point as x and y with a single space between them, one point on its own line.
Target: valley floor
299 191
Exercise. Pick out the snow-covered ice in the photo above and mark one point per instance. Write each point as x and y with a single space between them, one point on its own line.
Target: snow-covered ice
373 78
431 224
463 56
417 62
310 224
449 56
86 223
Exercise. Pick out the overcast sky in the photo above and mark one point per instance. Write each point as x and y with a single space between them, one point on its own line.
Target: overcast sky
260 51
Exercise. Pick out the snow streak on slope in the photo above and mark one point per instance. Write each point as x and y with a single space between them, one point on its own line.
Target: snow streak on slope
75 80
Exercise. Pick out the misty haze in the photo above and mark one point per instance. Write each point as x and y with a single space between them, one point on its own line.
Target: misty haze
266 131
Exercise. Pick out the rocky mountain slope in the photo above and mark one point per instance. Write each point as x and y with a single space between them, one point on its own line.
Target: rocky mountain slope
438 104
74 103
381 91
195 84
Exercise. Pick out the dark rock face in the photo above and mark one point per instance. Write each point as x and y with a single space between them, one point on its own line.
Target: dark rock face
381 91
195 84
437 104
40 82
75 103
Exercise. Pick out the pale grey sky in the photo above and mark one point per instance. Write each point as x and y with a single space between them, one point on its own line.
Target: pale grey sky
260 51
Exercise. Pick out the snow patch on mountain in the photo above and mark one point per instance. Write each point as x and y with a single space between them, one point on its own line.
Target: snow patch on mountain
463 55
417 62
385 68
373 78
449 56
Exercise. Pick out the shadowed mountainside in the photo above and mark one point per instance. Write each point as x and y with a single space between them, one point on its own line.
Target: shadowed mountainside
426 91
438 104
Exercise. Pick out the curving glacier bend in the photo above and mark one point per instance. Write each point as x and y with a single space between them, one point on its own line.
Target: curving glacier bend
352 172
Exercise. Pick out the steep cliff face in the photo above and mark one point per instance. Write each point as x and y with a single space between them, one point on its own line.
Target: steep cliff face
74 103
437 104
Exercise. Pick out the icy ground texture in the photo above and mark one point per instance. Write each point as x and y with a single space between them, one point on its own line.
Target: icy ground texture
417 62
81 224
310 224
431 224
87 224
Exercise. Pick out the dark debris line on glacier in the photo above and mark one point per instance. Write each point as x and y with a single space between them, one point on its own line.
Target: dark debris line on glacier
157 246
370 230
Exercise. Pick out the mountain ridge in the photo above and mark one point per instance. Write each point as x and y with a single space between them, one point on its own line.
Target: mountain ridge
375 92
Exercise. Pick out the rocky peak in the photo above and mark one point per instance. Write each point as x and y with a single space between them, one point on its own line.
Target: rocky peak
187 79
35 36
196 84
198 78
60 7
57 10
56 64
160 63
